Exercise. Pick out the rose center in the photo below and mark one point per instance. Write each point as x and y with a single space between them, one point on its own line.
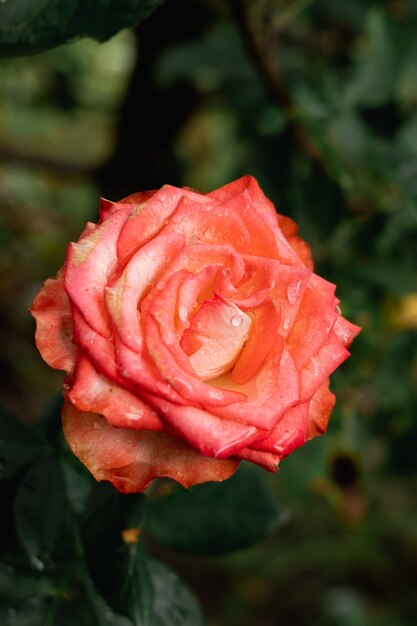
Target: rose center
215 337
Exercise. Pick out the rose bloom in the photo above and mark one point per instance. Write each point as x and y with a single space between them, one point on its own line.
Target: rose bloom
194 334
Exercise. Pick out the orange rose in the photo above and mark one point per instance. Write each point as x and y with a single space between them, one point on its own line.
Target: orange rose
194 334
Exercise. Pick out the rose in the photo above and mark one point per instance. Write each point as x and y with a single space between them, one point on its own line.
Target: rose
194 334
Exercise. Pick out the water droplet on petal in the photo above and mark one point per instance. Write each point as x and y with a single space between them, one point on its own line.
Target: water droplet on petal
210 232
286 323
237 320
293 292
96 425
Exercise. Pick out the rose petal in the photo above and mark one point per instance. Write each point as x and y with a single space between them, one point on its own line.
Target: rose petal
259 278
345 331
321 407
331 354
131 459
247 188
267 460
198 288
151 217
88 266
315 321
107 207
211 435
287 293
290 432
263 335
234 222
290 229
272 392
216 336
187 384
142 271
92 392
52 311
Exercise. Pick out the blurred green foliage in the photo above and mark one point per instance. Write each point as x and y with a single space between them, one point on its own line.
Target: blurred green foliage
318 100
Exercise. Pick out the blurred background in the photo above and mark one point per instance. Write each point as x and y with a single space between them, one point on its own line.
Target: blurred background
318 100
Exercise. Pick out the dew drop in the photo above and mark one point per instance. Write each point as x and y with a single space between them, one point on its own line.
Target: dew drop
236 321
66 387
180 475
293 292
96 425
210 232
338 310
286 323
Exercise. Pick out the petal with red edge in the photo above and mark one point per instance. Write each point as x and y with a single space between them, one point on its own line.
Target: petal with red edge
314 321
345 331
330 356
211 435
141 272
88 266
131 459
52 311
267 460
98 348
263 335
273 391
92 392
107 207
151 217
187 384
290 229
321 407
289 434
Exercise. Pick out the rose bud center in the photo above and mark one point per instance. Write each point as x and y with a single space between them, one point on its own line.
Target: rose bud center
215 337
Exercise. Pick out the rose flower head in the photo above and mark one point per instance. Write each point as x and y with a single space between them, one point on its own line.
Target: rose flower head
194 335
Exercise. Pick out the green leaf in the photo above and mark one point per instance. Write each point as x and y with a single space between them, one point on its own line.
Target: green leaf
374 79
174 604
28 26
117 562
216 518
40 511
79 483
18 444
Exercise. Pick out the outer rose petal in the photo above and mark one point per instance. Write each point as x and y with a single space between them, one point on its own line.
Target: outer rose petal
131 459
52 311
321 407
87 269
290 229
94 393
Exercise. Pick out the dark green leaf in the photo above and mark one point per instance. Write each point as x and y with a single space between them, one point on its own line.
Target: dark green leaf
216 518
174 603
40 511
34 25
79 483
118 564
18 444
31 613
374 79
